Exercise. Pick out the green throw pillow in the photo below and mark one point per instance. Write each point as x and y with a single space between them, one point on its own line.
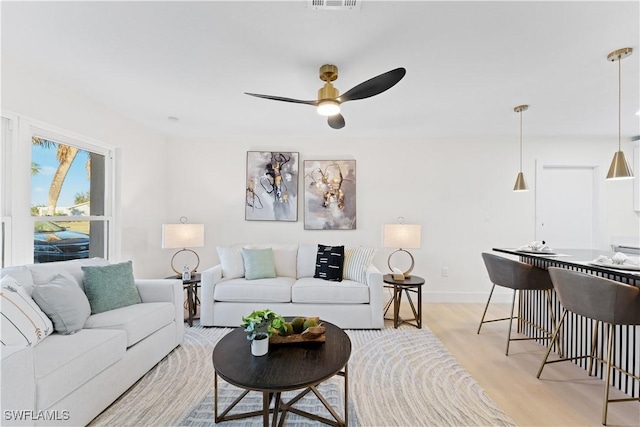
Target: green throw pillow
109 287
258 263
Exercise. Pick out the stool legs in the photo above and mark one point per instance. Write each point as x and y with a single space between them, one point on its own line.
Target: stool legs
510 318
594 345
484 313
606 384
592 356
554 338
513 305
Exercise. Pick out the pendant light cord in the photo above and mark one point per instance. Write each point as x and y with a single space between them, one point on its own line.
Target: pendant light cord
520 141
619 102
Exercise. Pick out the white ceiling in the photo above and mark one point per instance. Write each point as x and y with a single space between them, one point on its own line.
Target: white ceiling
468 64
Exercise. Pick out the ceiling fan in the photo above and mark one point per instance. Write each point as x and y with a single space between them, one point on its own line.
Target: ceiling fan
329 98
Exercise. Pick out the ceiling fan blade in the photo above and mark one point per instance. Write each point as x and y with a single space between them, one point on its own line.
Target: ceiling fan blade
374 86
280 98
336 121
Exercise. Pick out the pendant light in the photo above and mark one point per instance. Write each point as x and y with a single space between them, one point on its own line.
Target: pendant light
619 168
520 185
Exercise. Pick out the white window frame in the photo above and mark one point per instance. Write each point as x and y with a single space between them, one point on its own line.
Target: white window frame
8 142
18 194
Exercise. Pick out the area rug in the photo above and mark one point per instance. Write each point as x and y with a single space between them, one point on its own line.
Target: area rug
397 377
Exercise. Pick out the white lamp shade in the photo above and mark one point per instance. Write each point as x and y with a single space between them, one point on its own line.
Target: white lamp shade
182 236
404 236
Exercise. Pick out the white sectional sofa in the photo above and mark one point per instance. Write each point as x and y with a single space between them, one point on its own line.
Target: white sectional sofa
69 379
227 295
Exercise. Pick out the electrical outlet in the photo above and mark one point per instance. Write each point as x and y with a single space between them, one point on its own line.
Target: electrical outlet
445 272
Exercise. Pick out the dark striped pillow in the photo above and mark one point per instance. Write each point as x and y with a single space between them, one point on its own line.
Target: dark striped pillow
329 263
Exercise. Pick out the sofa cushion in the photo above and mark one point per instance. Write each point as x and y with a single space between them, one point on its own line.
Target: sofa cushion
64 302
22 322
329 263
317 291
306 261
42 273
231 262
22 274
111 286
138 320
258 263
356 262
63 363
277 289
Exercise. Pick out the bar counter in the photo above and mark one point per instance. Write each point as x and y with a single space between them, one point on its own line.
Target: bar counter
577 331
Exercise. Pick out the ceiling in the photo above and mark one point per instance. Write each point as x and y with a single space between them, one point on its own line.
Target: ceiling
468 64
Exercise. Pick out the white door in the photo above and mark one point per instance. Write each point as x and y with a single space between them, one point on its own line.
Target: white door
567 206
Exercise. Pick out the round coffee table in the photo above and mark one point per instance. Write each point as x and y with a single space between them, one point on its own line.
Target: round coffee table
285 367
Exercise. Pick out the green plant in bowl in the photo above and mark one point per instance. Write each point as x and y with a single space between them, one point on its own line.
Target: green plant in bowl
262 324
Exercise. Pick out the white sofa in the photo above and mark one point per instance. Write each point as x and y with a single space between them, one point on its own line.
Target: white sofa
70 379
227 295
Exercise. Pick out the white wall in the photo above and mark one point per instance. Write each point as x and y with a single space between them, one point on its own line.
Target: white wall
143 161
458 190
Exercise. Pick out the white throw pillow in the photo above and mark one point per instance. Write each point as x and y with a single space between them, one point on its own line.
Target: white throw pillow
22 274
231 261
356 262
23 322
307 260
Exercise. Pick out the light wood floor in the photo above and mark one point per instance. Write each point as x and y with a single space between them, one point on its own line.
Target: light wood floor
564 396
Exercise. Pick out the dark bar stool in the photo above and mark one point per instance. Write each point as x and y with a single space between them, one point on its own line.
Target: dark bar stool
602 300
520 277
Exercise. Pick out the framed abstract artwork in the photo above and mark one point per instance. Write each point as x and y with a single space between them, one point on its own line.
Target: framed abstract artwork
272 186
329 194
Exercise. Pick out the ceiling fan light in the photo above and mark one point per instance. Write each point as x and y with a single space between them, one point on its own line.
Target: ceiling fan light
328 107
619 168
521 184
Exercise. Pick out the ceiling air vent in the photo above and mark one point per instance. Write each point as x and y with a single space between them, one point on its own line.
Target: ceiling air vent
334 4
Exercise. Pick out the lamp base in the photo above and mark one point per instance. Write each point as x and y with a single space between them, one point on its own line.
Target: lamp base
397 274
173 267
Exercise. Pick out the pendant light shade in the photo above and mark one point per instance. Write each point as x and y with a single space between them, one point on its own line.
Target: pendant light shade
619 168
521 184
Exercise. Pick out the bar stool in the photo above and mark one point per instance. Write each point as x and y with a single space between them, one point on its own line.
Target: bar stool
520 277
602 300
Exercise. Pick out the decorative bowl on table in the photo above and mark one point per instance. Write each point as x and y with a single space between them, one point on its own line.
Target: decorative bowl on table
300 330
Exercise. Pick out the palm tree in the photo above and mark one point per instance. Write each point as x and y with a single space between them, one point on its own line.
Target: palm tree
66 154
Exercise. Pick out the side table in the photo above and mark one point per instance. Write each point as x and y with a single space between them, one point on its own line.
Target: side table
191 286
409 285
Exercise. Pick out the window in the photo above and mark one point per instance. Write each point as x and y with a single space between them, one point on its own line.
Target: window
61 207
67 190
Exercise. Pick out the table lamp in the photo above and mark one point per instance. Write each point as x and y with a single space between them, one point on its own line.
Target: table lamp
402 236
183 236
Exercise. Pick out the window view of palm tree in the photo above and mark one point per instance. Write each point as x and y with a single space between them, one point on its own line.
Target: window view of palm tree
61 187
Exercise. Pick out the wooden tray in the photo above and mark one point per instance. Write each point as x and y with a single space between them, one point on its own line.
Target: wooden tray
312 334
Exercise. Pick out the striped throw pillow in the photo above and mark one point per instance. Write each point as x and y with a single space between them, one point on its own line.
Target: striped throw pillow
356 261
23 322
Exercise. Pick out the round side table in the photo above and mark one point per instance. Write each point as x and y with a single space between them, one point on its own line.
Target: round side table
412 284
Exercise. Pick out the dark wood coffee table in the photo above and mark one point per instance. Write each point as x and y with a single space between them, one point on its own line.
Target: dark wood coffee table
286 367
